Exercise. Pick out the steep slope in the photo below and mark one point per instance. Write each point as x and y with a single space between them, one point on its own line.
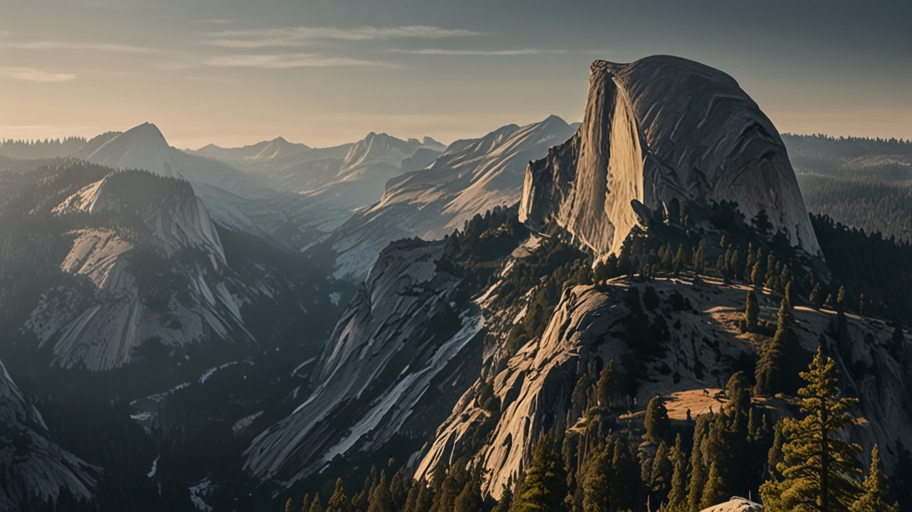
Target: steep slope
99 266
587 329
162 223
469 178
421 159
32 466
403 344
176 217
659 129
361 176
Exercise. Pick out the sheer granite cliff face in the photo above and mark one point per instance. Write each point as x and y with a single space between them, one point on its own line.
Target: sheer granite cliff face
657 129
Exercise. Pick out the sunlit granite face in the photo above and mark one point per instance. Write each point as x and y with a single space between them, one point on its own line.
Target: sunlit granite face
657 129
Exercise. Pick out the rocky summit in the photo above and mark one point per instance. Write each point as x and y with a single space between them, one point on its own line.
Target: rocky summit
659 129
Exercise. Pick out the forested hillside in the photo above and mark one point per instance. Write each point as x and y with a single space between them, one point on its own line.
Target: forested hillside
863 183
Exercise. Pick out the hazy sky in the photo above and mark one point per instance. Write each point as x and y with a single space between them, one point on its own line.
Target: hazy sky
236 72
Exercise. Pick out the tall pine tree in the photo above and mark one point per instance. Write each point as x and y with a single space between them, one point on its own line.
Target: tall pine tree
875 489
819 471
779 356
545 484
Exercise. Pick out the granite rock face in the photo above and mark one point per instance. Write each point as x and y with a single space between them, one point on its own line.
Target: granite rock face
657 129
471 177
31 465
402 352
163 222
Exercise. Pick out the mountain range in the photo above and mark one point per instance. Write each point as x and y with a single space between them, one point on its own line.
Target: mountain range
223 328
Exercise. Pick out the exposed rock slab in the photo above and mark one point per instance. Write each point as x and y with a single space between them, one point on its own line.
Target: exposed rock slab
535 389
471 177
167 222
658 129
392 346
735 505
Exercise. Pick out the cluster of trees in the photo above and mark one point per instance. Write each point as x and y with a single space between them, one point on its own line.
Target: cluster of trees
874 272
457 489
47 148
800 464
782 357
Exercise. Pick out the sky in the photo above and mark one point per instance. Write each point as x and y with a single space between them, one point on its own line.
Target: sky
234 72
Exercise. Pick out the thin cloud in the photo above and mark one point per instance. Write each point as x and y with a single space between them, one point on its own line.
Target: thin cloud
291 60
62 45
302 36
35 75
439 51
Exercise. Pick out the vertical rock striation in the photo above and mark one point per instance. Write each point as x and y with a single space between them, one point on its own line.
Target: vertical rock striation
657 129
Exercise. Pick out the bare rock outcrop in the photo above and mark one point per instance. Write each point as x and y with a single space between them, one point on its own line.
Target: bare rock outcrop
658 129
400 355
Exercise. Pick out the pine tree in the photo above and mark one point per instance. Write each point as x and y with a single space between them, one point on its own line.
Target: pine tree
662 471
699 260
506 501
667 264
697 471
469 500
757 275
626 486
545 484
398 490
288 505
656 422
680 261
819 471
751 311
425 497
774 456
874 498
816 296
678 493
597 477
714 491
415 489
380 498
606 386
338 502
306 506
451 486
779 355
316 505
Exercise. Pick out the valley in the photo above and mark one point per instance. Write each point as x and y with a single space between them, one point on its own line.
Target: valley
629 298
